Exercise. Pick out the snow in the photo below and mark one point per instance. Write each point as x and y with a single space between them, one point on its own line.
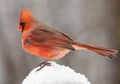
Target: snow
55 74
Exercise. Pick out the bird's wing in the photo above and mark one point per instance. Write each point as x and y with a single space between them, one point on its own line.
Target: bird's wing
42 36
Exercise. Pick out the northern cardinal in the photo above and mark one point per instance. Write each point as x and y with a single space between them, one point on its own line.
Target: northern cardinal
44 41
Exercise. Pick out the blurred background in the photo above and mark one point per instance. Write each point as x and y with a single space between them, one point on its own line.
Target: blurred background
95 22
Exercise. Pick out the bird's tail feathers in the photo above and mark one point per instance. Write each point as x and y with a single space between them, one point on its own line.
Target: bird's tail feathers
106 52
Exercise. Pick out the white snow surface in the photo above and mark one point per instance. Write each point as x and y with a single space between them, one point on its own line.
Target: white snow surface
55 74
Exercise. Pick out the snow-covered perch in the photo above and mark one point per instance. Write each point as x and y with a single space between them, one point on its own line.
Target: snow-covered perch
55 74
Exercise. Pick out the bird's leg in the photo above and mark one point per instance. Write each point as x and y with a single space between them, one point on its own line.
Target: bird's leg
43 64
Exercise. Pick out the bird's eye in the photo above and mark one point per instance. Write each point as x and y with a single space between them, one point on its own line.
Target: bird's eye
22 24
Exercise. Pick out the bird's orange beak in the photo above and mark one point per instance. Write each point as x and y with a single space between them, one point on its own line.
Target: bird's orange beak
19 27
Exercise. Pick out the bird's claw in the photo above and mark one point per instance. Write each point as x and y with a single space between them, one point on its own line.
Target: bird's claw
43 64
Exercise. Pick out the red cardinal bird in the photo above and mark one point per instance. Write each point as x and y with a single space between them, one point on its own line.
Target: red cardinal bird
44 41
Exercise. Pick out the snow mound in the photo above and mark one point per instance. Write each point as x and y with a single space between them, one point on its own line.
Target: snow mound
55 74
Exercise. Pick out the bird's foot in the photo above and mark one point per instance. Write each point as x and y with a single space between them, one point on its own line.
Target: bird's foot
43 64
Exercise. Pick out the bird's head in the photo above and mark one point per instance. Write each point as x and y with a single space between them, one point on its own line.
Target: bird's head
25 20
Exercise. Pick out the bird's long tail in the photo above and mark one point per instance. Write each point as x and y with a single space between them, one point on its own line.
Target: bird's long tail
99 50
